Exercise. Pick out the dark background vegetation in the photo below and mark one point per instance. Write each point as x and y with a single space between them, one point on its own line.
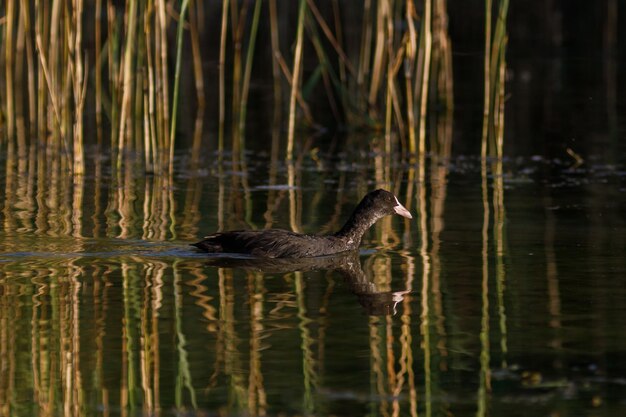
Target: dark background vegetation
564 84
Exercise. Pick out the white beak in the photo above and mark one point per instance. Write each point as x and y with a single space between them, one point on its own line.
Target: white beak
402 211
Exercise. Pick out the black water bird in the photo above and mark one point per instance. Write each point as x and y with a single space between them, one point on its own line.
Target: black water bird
277 243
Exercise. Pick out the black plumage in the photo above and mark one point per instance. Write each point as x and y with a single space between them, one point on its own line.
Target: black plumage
277 243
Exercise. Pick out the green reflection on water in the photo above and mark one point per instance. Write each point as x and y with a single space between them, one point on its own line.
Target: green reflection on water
491 302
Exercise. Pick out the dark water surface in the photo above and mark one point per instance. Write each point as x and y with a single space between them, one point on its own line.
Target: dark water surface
503 296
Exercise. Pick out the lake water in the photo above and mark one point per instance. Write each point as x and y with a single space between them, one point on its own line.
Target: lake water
503 296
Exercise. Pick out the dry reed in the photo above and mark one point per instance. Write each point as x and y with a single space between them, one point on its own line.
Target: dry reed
402 65
494 79
295 80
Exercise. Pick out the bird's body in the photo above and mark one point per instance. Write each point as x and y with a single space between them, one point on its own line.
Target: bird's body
277 243
274 243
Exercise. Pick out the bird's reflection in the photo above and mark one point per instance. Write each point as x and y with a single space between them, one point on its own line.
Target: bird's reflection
347 264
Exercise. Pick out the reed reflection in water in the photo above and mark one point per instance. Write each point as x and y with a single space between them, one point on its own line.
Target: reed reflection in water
135 335
105 310
98 316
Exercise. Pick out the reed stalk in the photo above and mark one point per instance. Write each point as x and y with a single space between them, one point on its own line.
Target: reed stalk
297 64
162 75
487 78
41 83
141 80
157 88
495 47
98 70
151 146
54 83
135 128
245 89
306 111
409 65
344 61
442 70
80 89
179 50
66 71
194 31
377 63
147 135
18 69
113 70
222 76
500 101
128 77
30 64
9 53
238 18
398 74
388 36
47 77
425 73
